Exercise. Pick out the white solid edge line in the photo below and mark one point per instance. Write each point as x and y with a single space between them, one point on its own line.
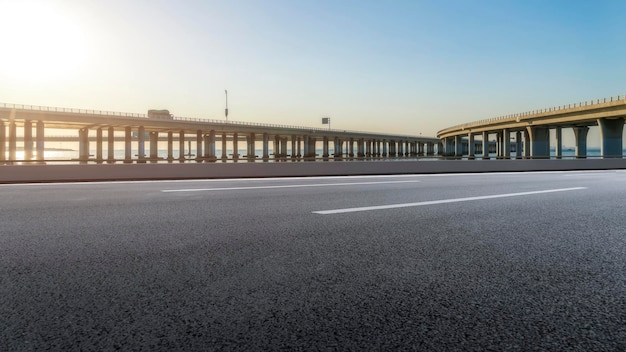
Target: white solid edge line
442 201
210 180
285 186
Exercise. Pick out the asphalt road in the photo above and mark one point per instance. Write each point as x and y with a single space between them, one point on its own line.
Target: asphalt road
502 262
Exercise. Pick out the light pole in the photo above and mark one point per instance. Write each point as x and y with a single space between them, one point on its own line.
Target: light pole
226 110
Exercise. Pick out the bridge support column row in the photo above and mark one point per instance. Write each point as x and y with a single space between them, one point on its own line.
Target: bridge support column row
29 141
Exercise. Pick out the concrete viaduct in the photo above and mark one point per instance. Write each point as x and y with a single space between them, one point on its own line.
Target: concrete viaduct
28 124
532 131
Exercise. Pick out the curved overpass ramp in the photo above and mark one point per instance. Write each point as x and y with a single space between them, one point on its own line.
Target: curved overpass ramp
532 131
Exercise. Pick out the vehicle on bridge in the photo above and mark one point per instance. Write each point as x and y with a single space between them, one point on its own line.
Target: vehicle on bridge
160 114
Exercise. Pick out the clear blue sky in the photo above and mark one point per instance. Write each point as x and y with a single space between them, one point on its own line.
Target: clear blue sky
389 66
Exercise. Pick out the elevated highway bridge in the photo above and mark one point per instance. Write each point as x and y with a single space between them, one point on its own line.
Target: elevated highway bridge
27 124
531 131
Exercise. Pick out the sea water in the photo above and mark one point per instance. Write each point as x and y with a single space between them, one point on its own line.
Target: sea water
71 155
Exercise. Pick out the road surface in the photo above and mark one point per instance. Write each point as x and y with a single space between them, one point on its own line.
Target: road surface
506 262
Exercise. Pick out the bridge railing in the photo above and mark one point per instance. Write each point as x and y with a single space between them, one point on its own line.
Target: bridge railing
189 119
514 117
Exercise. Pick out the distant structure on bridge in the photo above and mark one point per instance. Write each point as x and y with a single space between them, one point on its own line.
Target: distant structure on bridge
532 131
289 142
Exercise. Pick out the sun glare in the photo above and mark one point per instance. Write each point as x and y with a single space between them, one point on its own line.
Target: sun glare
39 43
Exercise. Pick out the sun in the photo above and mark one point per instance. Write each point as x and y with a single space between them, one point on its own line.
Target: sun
39 42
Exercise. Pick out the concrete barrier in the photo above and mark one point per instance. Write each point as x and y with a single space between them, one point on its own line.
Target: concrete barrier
120 172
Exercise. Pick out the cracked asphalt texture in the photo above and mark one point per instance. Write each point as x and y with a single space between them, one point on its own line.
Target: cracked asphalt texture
125 266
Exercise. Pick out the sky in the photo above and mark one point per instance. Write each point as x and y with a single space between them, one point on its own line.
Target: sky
411 67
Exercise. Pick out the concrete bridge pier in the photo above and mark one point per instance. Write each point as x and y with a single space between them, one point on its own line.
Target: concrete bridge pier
325 148
539 142
250 150
3 149
338 149
506 143
294 148
611 132
199 148
266 147
12 141
306 141
360 147
154 146
28 140
448 146
580 134
110 145
485 143
282 148
458 146
181 147
351 148
526 144
470 146
310 149
170 146
127 145
83 145
300 142
519 145
276 146
558 148
141 145
99 145
224 148
235 147
40 144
